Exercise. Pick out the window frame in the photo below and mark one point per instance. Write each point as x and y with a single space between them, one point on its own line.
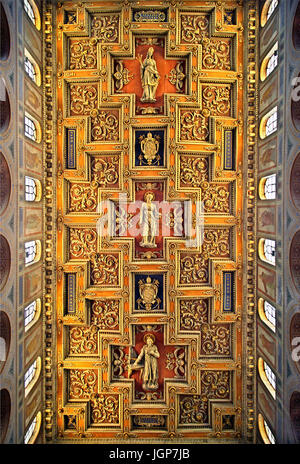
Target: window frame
264 376
33 429
265 314
267 11
33 13
33 374
35 311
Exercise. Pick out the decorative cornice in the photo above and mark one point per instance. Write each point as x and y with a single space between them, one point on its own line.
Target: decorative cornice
251 95
49 227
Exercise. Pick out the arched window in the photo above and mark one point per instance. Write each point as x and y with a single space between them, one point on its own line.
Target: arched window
31 314
268 124
265 431
31 375
267 313
267 376
33 430
267 250
267 187
30 129
32 252
33 189
33 13
269 63
267 11
31 67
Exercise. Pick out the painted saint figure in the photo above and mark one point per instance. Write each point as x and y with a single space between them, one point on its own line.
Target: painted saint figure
149 369
150 76
149 216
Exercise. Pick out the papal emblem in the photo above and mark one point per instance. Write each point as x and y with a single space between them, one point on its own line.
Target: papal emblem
150 148
148 290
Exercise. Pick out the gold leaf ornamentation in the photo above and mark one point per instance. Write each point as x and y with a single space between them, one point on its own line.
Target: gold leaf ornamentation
83 54
105 269
83 99
105 28
194 28
193 126
105 127
83 383
83 242
83 198
84 340
105 314
105 409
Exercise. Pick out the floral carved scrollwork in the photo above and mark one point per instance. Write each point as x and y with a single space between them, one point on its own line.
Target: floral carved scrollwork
216 100
216 54
83 54
193 126
193 171
105 127
105 171
83 383
215 198
105 314
215 384
105 269
82 198
83 242
193 269
194 28
105 409
83 99
84 340
193 313
215 339
192 410
105 28
216 243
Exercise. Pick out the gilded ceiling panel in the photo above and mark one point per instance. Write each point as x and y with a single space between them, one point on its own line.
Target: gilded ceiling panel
149 205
